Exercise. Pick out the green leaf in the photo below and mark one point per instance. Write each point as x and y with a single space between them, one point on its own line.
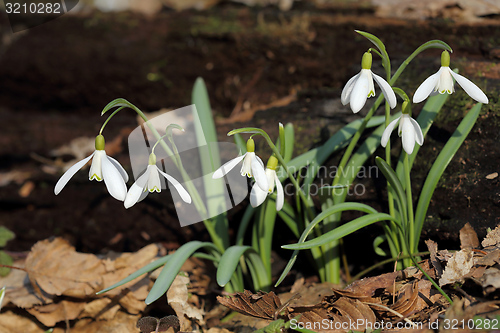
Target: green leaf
5 259
229 261
393 179
290 142
425 119
206 134
323 215
172 267
444 158
257 271
148 268
5 236
376 245
341 231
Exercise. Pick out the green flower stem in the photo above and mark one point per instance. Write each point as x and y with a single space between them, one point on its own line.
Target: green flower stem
409 199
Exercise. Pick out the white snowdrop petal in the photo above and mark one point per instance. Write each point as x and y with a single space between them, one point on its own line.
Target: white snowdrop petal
136 191
226 167
257 195
470 88
280 196
359 92
95 171
113 180
259 174
445 83
426 88
408 135
154 184
419 136
386 88
70 173
346 92
180 189
387 132
119 167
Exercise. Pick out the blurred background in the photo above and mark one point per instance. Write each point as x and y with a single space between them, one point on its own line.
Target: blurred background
263 61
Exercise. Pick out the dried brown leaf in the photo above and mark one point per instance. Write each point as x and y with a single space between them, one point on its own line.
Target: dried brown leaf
13 323
19 289
177 296
433 247
51 314
58 270
457 267
468 237
369 286
490 259
261 305
492 238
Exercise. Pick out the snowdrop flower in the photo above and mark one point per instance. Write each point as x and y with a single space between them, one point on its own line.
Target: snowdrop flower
409 130
360 87
442 82
104 168
257 195
149 182
252 166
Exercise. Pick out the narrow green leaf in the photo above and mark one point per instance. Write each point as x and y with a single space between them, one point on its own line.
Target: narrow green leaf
148 268
376 245
393 179
206 134
228 263
323 215
257 271
172 267
444 158
425 119
241 143
342 231
290 142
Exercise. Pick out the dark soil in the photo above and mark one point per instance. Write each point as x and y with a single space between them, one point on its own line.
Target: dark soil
56 78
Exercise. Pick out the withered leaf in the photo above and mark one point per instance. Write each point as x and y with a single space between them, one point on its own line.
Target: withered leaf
433 247
490 259
261 305
468 237
492 238
457 267
368 286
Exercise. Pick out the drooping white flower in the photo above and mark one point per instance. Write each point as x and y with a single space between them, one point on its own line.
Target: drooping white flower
103 167
258 196
149 182
408 129
442 82
252 166
360 87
